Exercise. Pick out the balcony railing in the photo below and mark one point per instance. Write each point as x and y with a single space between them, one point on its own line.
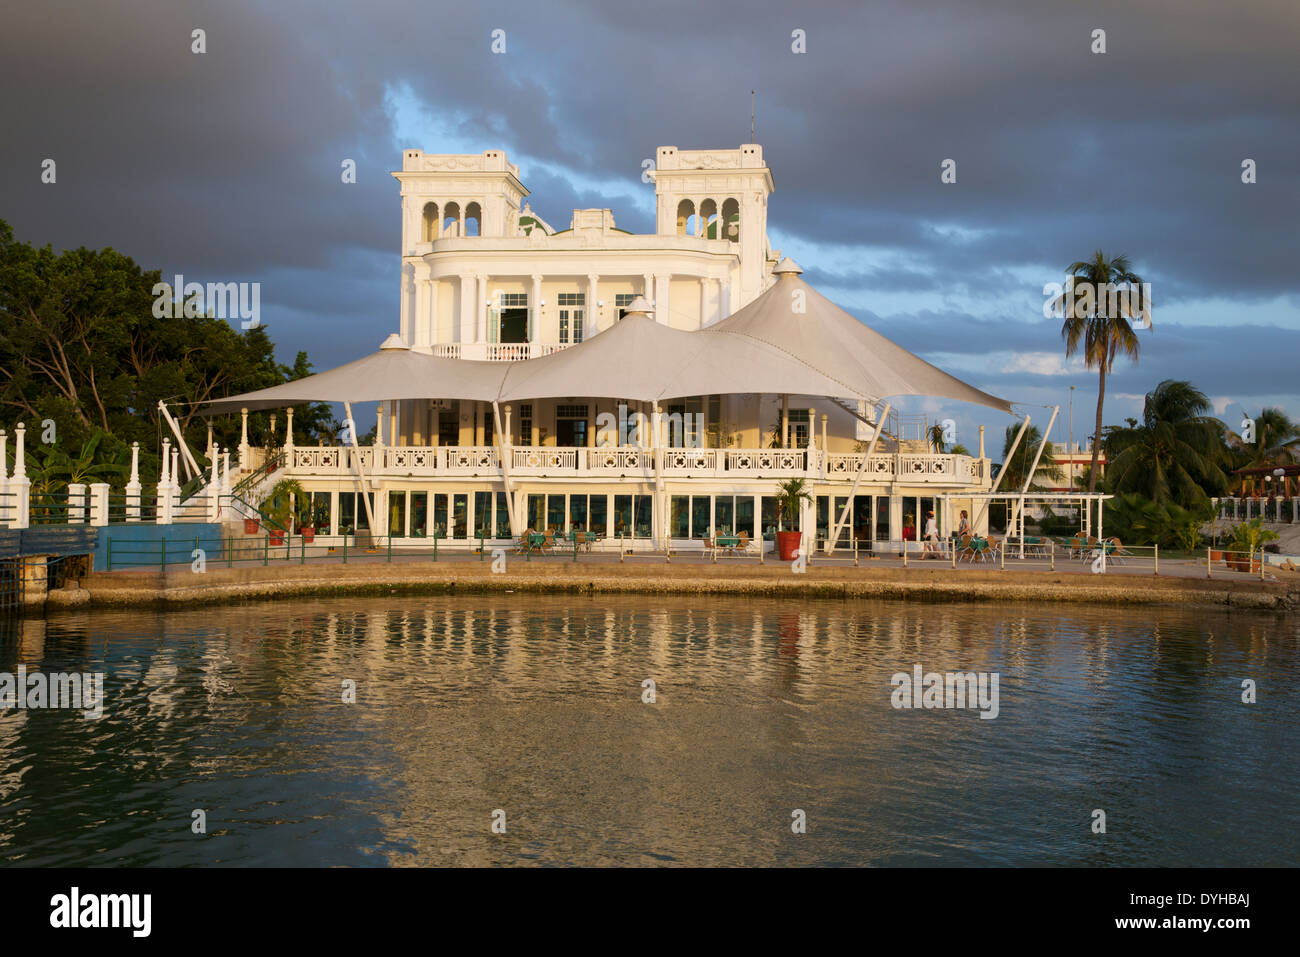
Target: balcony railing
633 462
497 351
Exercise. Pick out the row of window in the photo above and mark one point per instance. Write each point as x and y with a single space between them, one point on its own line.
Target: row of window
420 514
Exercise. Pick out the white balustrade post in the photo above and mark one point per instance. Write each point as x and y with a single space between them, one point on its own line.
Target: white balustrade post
811 464
288 438
243 440
20 516
176 478
99 504
4 478
379 431
225 473
214 488
133 486
76 503
163 504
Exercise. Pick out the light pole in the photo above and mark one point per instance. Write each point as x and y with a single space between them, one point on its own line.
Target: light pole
1071 438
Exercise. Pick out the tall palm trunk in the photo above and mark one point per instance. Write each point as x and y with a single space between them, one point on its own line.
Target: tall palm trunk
1096 438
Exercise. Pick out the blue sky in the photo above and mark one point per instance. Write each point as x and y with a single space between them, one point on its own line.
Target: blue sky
224 166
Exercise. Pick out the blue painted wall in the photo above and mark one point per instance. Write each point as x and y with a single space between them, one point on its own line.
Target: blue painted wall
142 546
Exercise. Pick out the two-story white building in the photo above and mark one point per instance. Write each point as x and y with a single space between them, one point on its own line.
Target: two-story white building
487 282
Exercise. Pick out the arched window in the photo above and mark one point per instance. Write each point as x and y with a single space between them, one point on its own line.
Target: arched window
451 219
473 220
685 210
709 216
731 220
430 222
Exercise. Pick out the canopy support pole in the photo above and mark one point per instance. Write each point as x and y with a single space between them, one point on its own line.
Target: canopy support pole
1034 468
503 449
998 481
191 467
356 463
857 479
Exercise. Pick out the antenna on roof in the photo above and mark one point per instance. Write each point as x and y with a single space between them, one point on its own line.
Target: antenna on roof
751 116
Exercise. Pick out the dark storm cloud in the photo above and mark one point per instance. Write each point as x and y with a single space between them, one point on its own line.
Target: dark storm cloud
226 165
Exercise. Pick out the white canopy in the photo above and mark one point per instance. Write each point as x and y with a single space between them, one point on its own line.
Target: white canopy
796 319
643 360
394 372
790 340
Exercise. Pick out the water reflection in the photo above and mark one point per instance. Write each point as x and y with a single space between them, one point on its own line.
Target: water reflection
533 705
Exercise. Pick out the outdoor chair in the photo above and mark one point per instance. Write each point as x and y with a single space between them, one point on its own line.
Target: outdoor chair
966 549
743 545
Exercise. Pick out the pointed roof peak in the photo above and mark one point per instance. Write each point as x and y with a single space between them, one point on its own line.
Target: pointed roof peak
787 267
394 341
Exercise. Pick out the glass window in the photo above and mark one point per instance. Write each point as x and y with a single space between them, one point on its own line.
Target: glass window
882 518
745 514
578 512
724 514
555 512
700 518
536 518
347 513
397 514
460 516
679 517
598 509
623 515
419 514
644 504
482 514
769 516
503 516
440 515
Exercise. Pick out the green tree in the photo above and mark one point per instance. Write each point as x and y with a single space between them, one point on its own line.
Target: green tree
1099 329
1175 453
1015 468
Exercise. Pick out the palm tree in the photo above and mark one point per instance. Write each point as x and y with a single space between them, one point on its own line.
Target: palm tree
935 434
1277 441
1176 451
1101 331
1016 467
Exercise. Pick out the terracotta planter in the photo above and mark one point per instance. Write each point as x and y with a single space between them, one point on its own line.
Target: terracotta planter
277 537
1243 565
1216 554
308 534
250 526
787 543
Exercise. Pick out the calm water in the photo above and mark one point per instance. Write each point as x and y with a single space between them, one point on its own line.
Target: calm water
533 706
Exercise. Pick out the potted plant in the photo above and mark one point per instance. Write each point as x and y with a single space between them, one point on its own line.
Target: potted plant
251 525
790 499
278 508
1246 539
318 517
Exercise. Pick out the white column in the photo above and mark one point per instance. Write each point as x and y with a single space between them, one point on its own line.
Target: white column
704 301
76 503
663 295
163 501
535 309
225 472
99 504
209 451
432 293
133 485
20 514
468 293
591 323
422 333
288 438
4 479
243 440
379 428
480 310
214 486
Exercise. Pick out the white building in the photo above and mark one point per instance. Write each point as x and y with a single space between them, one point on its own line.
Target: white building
487 280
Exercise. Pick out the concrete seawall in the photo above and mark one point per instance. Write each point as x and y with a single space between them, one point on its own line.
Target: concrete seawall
183 587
